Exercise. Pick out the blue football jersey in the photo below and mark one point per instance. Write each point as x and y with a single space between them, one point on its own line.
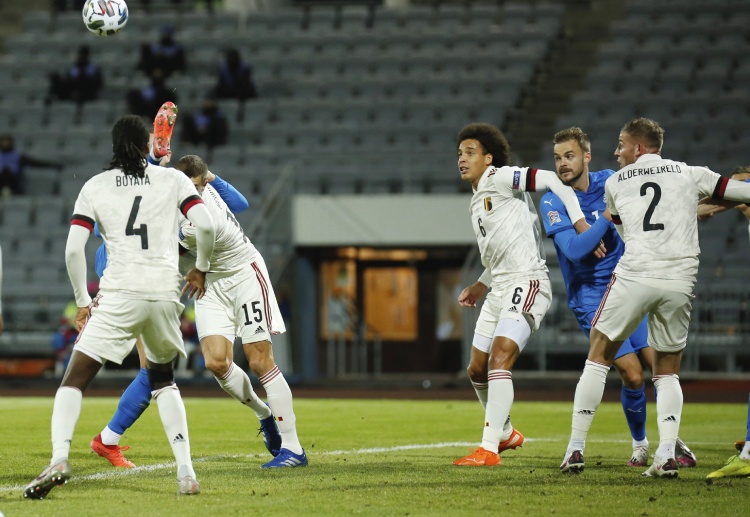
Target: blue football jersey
585 279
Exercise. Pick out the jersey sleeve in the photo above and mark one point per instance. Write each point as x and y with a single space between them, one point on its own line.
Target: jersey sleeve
508 179
554 216
609 200
709 183
83 211
234 199
187 194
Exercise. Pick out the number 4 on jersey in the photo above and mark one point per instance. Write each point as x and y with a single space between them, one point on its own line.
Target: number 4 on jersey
142 230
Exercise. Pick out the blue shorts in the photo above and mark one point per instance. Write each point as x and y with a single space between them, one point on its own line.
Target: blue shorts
636 342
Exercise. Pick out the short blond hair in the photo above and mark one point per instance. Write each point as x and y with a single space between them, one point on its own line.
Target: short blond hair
647 131
573 133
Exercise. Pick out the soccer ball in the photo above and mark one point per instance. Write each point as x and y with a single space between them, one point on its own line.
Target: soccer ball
105 17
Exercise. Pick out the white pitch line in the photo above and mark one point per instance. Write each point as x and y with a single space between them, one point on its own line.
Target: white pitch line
370 450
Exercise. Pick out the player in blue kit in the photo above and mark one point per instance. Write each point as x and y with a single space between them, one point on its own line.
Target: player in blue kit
137 396
586 262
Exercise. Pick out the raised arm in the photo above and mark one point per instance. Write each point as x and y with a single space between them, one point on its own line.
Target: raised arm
232 197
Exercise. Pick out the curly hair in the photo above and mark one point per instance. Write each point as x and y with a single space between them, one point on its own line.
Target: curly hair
647 130
492 140
129 146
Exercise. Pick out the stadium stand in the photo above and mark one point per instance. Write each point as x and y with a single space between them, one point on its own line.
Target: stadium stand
367 99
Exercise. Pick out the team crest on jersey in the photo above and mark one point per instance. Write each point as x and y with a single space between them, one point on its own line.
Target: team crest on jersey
516 180
488 204
553 216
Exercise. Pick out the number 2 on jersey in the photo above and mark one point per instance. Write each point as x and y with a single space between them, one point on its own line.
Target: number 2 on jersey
647 224
142 230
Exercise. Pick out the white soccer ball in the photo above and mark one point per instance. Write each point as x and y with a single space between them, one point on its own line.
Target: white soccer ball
105 17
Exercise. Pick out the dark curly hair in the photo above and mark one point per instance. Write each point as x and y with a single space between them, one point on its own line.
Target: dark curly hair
492 139
129 146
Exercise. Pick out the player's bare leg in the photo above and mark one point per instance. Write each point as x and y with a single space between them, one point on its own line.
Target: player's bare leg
80 372
219 356
477 371
260 357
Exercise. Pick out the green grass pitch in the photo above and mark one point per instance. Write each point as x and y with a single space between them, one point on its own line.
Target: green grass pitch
369 457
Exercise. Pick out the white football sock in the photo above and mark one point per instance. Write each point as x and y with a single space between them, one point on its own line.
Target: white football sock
237 384
507 430
174 420
109 437
280 399
668 412
589 393
481 390
640 443
745 454
499 401
65 413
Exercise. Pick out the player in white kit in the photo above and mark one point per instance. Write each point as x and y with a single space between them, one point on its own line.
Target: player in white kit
137 208
653 203
509 237
240 301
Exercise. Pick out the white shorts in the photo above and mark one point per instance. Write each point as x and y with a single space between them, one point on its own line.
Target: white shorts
242 304
527 298
627 301
116 322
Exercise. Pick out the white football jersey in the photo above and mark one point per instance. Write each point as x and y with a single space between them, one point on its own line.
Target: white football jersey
506 225
656 202
233 251
139 221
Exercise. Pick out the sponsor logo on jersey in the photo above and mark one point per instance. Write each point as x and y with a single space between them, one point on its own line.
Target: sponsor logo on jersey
553 216
516 179
513 309
548 201
488 204
259 330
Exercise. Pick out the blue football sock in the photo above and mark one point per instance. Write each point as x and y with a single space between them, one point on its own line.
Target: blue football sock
747 436
634 406
133 403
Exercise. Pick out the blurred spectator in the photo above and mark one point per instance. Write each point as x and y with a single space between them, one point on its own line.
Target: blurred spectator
235 78
12 163
81 83
208 126
147 101
166 55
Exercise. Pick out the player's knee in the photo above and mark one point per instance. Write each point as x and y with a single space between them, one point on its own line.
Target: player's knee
260 357
217 366
632 379
160 377
261 365
477 373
